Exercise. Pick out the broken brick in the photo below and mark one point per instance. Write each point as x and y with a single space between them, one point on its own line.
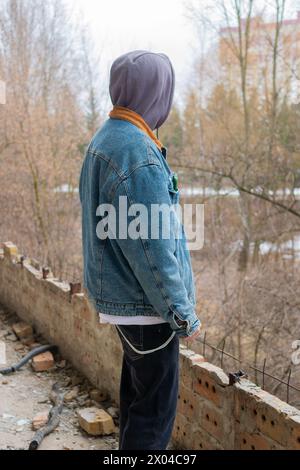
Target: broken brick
96 422
43 362
23 330
40 420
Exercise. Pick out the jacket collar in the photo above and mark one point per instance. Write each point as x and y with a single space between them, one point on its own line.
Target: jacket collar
126 114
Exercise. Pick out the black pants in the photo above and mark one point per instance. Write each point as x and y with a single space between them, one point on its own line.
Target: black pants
149 387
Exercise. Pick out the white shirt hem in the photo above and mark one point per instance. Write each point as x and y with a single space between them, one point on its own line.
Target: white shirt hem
132 320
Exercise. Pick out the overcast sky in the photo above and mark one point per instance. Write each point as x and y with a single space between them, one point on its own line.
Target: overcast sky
118 26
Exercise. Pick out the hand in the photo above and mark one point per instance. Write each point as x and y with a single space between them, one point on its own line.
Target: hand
195 335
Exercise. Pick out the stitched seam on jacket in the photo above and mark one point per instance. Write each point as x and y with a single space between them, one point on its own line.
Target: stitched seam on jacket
125 177
108 160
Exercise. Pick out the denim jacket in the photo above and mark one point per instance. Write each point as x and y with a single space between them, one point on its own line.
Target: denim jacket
126 276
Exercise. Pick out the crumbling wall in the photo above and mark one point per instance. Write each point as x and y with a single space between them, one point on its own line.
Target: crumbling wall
211 413
66 320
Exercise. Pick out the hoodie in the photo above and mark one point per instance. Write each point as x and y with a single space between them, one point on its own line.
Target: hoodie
143 82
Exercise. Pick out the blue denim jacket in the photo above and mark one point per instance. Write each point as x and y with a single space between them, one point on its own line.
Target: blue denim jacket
143 276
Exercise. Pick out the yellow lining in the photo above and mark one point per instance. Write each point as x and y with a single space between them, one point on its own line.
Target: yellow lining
125 114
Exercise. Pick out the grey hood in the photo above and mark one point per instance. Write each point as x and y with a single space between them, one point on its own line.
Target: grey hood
143 82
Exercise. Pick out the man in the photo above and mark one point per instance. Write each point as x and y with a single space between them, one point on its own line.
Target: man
141 283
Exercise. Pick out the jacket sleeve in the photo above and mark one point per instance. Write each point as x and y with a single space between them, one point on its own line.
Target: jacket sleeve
152 257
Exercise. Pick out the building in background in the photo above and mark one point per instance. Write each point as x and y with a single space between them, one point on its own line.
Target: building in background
260 56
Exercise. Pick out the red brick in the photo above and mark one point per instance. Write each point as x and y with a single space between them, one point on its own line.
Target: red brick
181 426
293 441
213 422
206 383
259 411
188 360
188 403
246 441
22 330
43 362
201 440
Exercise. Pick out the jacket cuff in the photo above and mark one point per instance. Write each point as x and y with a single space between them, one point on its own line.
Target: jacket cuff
184 328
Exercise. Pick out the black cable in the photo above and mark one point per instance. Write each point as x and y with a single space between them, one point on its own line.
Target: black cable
25 359
53 418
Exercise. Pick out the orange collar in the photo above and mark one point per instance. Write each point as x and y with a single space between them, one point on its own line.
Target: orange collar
125 114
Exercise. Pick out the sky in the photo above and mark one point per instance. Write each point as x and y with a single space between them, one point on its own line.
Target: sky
118 26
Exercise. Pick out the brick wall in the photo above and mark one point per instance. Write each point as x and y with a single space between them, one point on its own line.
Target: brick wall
211 413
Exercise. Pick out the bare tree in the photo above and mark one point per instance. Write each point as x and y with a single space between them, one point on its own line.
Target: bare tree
248 113
51 112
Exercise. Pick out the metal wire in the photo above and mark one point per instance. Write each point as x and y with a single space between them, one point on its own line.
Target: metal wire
262 371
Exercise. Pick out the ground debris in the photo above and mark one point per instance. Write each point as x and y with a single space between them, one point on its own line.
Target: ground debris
71 395
22 330
25 393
